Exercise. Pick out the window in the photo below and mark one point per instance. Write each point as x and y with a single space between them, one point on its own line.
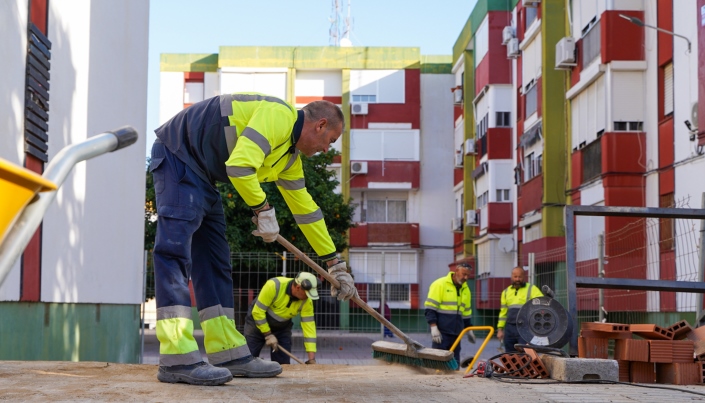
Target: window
532 166
482 199
392 292
370 99
592 161
531 13
386 211
591 42
502 119
502 195
531 99
628 126
668 89
482 126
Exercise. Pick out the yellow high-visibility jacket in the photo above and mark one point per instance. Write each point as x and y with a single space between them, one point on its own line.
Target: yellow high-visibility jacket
448 306
512 300
259 140
275 302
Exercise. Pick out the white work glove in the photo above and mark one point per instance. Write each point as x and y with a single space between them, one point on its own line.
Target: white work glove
347 286
436 335
267 226
471 336
271 341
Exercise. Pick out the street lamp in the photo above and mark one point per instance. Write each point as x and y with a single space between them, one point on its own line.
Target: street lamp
640 23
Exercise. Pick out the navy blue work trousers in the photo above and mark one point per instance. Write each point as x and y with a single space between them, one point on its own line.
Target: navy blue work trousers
511 337
255 338
190 240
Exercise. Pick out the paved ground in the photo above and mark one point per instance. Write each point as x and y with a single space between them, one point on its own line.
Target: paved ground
92 381
334 347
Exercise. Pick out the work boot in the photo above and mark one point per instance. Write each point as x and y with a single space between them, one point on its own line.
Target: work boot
252 367
200 373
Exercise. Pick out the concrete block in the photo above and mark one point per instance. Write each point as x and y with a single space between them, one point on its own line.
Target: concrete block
631 350
593 348
578 369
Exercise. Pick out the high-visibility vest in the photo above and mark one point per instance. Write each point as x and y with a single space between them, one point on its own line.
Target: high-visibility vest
274 303
451 304
512 300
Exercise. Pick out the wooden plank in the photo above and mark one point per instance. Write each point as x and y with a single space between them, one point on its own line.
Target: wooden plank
34 119
34 108
40 46
38 55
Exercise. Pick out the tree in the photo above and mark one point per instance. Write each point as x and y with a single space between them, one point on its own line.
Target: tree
320 183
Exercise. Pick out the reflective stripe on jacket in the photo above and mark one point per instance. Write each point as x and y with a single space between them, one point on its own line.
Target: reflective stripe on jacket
512 300
275 303
448 306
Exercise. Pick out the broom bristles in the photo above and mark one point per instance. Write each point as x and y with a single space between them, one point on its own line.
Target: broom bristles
451 365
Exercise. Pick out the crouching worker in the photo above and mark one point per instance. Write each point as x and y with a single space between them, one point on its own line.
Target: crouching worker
268 320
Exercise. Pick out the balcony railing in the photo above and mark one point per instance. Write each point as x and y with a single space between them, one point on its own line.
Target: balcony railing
371 234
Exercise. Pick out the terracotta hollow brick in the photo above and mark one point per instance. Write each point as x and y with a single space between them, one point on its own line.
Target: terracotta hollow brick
631 350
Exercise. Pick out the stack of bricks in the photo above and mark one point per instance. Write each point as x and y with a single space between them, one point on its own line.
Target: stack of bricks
528 365
659 355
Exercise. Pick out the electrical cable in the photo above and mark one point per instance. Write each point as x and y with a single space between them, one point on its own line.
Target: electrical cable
589 381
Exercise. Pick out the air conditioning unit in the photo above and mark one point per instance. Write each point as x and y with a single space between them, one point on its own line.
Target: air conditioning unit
507 34
457 224
531 3
565 53
459 159
358 167
513 48
469 146
472 219
358 109
458 95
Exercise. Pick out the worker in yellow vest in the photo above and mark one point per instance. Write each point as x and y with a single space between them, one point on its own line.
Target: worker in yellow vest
269 319
512 299
243 139
448 309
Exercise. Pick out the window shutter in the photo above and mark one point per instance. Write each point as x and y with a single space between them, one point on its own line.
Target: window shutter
668 89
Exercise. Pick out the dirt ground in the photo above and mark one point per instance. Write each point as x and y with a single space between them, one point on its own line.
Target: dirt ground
92 381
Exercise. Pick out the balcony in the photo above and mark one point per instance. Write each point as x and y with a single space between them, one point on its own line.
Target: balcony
531 194
388 175
496 218
378 234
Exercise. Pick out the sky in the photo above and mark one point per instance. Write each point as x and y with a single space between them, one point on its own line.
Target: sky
189 26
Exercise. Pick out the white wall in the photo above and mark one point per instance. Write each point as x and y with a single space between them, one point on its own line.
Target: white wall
435 202
92 251
531 61
387 85
171 94
13 45
384 145
270 83
482 41
319 83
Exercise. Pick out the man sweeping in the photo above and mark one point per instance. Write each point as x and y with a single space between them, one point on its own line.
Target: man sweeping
244 139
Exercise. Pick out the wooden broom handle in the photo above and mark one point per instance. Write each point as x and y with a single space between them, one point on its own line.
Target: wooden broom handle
356 299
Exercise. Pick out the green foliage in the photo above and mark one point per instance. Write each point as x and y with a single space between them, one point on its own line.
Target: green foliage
320 183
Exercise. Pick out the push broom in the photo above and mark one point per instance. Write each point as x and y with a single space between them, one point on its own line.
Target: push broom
412 353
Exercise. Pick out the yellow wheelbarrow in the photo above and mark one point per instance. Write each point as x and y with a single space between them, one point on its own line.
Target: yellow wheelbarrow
490 330
26 196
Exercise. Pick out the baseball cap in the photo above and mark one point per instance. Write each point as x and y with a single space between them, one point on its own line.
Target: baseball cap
309 283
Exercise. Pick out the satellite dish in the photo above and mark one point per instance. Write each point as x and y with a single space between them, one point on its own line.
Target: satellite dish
694 114
345 43
506 244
